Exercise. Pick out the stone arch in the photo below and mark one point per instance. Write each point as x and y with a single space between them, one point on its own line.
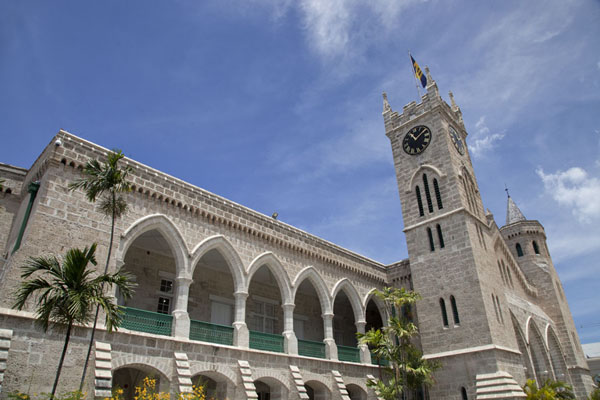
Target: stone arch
226 249
318 283
527 323
274 265
353 296
169 231
317 390
131 360
557 359
522 344
222 375
419 171
130 376
539 353
273 379
356 392
378 302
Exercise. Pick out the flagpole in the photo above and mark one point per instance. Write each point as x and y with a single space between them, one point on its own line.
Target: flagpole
414 73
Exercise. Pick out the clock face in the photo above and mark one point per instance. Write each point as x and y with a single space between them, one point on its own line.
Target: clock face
456 140
416 140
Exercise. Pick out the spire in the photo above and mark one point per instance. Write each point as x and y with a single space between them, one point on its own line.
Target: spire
386 105
431 85
453 103
513 214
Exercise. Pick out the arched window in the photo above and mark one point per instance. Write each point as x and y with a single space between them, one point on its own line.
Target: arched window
444 314
419 201
463 393
519 250
440 236
510 277
454 310
500 310
438 196
501 272
430 235
495 307
536 249
427 194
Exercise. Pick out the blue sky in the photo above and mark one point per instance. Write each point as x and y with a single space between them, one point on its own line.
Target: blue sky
276 104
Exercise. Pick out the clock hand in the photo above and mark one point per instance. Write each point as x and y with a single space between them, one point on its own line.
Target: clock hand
419 135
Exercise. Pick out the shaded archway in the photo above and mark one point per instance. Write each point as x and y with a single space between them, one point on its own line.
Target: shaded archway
539 358
317 391
211 303
152 262
525 357
355 392
215 385
129 377
269 388
557 358
308 320
344 325
264 314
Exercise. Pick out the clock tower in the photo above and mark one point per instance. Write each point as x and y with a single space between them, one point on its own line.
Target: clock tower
450 247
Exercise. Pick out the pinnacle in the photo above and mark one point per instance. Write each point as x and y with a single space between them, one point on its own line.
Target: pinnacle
513 214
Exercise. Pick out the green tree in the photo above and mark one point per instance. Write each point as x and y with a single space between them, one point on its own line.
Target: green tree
407 368
595 395
65 293
550 390
104 181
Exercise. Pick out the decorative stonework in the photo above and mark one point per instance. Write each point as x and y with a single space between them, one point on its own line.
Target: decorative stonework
5 338
247 380
339 382
299 382
184 376
103 370
499 385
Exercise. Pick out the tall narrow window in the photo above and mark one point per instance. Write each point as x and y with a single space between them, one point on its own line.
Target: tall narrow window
536 249
454 310
440 236
419 201
501 272
431 245
438 196
427 194
463 393
519 250
444 314
509 275
500 310
495 307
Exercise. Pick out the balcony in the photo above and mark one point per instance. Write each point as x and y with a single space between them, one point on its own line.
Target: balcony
309 348
146 321
266 341
207 332
346 353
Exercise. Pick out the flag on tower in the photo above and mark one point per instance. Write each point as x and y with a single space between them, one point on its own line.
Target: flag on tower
418 73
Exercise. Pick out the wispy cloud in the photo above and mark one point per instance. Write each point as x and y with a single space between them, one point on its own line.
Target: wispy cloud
576 189
483 140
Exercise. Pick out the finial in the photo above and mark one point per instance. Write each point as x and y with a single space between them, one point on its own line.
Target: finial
386 105
452 102
506 190
428 75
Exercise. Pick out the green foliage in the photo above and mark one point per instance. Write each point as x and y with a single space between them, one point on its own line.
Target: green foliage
408 369
595 395
550 390
105 181
66 292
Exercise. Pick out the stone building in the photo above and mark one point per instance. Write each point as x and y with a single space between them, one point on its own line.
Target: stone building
256 308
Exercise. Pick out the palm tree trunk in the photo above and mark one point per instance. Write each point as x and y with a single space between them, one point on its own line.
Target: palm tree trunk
89 352
62 359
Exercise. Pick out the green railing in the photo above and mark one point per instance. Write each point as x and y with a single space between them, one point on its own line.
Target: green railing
311 349
266 341
346 353
383 362
147 321
207 332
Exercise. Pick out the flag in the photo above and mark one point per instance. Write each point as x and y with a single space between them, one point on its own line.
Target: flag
418 73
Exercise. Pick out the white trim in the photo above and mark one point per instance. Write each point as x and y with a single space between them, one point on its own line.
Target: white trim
468 350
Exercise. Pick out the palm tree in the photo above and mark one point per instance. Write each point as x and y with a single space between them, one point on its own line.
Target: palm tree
105 181
67 292
550 390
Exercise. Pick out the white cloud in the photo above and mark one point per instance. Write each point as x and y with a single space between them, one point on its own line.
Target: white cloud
482 140
576 189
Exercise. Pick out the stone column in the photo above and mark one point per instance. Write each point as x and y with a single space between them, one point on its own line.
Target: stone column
181 318
330 346
290 342
365 353
241 335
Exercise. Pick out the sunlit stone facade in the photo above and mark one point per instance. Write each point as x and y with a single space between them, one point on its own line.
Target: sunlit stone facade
255 308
